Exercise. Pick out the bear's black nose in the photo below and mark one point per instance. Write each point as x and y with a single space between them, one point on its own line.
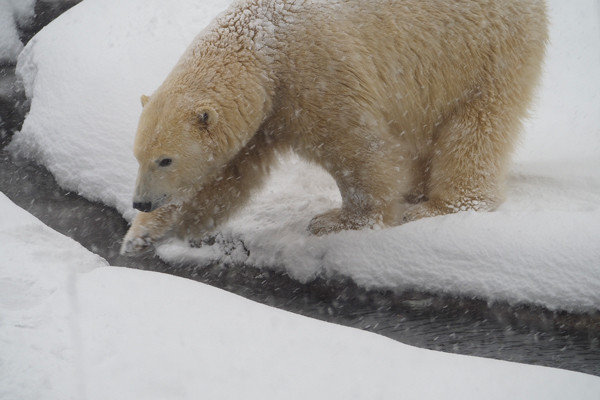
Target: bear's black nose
145 207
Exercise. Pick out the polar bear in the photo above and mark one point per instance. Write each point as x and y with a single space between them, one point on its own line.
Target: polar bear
412 106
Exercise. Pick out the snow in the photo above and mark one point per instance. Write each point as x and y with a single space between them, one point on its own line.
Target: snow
73 327
15 14
12 13
86 71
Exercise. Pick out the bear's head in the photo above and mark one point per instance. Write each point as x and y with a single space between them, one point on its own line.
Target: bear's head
176 144
205 112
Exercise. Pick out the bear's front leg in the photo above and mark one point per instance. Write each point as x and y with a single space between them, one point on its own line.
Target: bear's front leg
147 228
371 196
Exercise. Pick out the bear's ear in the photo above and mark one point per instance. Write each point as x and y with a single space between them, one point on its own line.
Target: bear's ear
144 99
206 116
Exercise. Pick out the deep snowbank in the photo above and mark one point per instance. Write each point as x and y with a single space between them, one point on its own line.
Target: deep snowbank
74 328
85 76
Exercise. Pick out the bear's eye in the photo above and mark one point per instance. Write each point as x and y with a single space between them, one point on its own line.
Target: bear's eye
165 162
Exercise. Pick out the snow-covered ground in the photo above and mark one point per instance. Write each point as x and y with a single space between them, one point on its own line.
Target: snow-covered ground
86 71
72 327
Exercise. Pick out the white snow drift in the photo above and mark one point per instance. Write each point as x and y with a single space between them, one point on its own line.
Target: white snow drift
86 71
72 327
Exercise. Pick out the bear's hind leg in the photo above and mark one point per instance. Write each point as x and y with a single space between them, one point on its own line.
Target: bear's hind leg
469 161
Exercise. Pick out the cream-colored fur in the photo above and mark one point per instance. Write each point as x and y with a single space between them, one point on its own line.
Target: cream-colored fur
413 106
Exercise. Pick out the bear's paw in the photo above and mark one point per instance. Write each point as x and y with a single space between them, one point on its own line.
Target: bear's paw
135 245
338 219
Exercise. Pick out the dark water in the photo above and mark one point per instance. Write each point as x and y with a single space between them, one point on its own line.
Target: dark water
524 334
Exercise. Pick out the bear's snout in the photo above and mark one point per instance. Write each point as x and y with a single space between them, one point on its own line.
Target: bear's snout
144 207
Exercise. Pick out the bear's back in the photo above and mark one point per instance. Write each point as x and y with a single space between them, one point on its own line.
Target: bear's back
408 62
